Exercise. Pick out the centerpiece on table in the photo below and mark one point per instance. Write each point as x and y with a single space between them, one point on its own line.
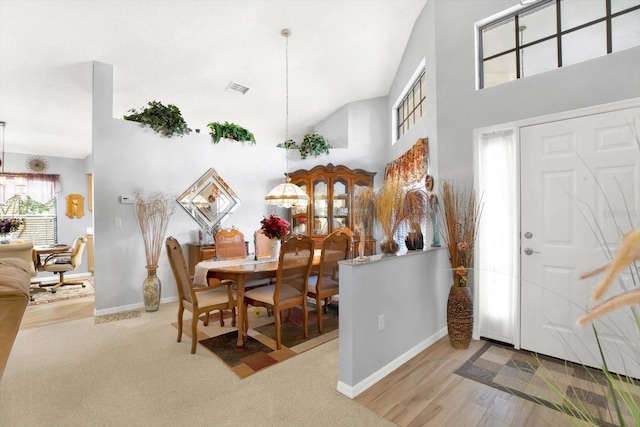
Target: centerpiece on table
461 216
152 213
8 226
276 229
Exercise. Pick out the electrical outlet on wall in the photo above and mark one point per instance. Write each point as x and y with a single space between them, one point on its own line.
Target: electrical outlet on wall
381 322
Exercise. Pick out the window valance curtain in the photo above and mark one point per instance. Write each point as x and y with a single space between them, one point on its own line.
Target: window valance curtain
411 166
39 187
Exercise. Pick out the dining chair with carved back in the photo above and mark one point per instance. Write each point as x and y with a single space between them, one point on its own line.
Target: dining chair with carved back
290 287
218 295
261 244
230 244
323 285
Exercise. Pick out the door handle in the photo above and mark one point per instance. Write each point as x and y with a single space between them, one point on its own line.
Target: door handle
529 251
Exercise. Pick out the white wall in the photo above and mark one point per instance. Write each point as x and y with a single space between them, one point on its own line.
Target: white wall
410 292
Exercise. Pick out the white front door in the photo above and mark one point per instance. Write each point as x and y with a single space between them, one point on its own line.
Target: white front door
580 191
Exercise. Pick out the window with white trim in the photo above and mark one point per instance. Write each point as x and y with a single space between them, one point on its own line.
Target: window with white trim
552 34
31 198
412 106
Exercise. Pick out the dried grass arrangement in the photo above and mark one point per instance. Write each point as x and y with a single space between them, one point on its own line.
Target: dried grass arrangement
153 213
388 207
461 215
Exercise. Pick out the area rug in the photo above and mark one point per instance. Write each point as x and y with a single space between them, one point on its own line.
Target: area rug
259 351
564 386
65 293
122 315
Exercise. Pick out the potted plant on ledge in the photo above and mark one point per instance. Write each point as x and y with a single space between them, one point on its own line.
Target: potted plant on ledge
313 144
230 131
388 207
164 119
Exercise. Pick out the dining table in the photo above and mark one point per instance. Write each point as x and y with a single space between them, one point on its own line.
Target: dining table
241 271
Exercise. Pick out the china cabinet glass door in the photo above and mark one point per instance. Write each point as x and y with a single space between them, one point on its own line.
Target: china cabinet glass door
340 199
300 215
320 207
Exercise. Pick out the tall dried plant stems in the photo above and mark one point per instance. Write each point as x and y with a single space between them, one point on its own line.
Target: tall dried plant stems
153 215
390 206
461 215
364 210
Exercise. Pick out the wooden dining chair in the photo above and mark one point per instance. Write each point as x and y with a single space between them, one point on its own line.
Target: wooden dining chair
335 247
261 244
290 288
230 244
198 300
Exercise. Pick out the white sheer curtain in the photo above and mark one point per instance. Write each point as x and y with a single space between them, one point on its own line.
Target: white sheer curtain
497 247
39 187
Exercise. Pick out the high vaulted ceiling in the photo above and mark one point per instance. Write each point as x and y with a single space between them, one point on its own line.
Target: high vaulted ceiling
186 52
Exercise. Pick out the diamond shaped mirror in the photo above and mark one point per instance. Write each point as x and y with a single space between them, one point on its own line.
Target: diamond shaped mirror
209 201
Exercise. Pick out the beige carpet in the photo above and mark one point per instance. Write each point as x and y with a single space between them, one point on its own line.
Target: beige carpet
133 373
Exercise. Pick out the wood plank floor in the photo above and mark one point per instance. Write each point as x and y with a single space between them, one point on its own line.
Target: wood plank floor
63 311
425 392
422 392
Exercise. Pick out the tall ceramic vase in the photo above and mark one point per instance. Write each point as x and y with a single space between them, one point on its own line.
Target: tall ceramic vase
152 289
274 248
460 316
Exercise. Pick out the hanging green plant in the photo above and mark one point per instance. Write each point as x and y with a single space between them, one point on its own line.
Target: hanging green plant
288 144
313 144
230 131
166 120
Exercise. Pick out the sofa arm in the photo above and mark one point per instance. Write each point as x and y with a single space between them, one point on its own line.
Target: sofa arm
14 296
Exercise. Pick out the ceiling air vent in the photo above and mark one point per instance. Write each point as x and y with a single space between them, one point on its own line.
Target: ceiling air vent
237 88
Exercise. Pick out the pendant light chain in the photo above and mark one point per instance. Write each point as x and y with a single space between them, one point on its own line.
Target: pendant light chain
286 194
286 33
3 124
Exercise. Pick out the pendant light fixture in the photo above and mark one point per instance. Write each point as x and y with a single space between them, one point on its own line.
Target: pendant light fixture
287 194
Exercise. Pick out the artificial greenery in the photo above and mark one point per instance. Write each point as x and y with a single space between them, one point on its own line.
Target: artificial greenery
312 144
230 131
166 120
288 144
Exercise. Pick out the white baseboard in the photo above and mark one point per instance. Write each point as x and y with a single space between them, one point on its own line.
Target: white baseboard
130 307
353 391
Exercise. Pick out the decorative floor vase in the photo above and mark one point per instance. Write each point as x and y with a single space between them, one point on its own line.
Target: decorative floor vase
460 316
152 289
274 248
5 238
389 246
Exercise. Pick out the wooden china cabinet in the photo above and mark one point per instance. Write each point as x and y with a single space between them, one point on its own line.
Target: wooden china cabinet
332 190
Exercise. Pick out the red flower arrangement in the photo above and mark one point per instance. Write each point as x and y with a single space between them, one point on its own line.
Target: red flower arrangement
275 227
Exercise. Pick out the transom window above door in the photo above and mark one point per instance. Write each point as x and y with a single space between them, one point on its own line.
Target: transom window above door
554 33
